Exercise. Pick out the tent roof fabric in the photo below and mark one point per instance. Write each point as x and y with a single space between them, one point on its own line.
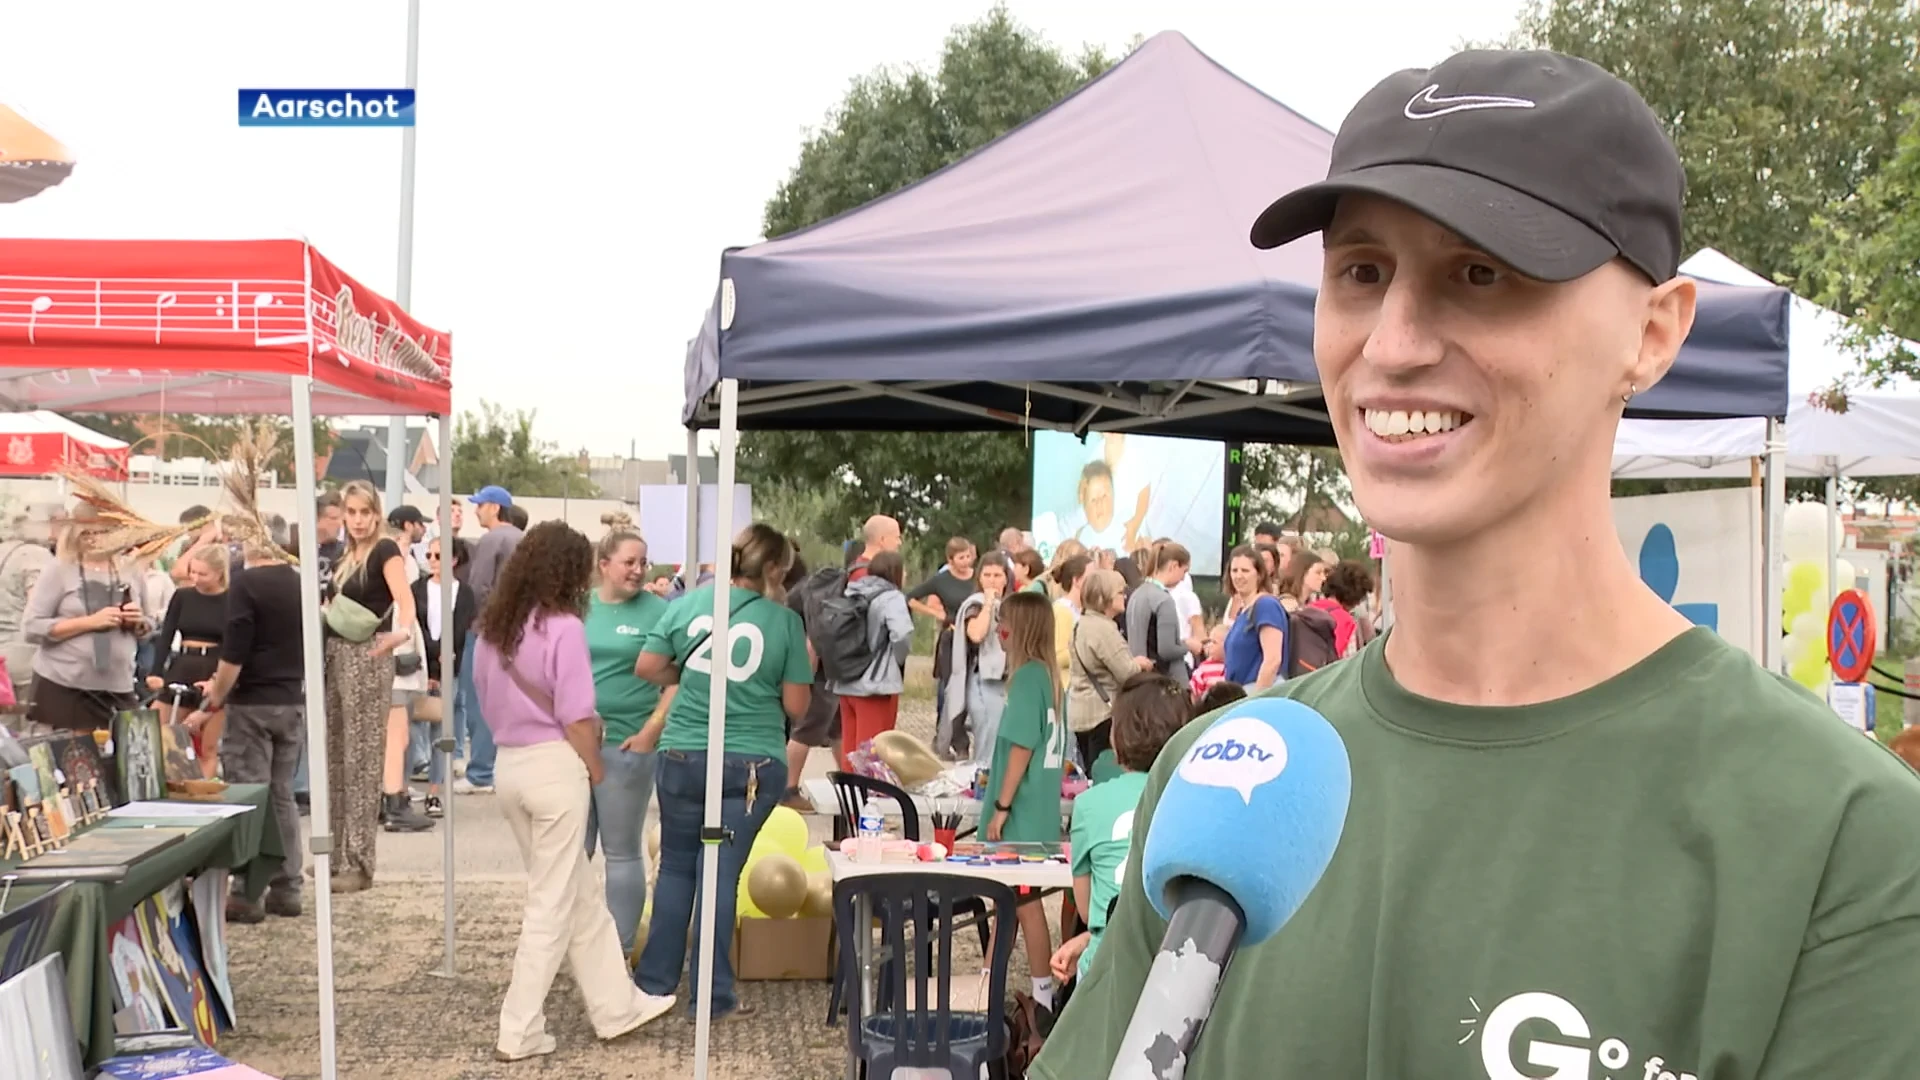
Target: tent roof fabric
1092 269
202 326
43 422
1878 435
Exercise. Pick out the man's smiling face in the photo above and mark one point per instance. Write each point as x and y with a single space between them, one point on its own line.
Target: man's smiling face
1460 390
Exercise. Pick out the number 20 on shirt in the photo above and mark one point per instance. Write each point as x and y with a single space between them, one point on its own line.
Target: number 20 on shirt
743 668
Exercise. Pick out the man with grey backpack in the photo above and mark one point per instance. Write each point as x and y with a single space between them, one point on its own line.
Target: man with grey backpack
863 637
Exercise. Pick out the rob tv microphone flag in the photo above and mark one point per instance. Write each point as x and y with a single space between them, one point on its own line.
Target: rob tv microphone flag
1242 833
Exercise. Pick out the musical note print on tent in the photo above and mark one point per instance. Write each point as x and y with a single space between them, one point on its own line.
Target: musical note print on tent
1660 569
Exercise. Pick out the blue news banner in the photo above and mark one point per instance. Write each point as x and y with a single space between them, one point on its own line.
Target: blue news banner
326 108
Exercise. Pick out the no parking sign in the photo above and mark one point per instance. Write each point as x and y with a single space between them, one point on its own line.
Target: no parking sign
1850 646
1851 636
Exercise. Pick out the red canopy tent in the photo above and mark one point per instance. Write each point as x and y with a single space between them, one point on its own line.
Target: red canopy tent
255 326
42 443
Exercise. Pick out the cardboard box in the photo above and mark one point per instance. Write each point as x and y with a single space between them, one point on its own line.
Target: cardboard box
766 949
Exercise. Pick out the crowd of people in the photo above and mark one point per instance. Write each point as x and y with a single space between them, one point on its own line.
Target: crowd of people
576 695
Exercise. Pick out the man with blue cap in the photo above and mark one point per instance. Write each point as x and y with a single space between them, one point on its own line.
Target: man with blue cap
490 505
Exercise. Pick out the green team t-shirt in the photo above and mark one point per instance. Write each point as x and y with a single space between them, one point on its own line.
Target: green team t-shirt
1031 720
768 650
615 633
1691 870
1102 840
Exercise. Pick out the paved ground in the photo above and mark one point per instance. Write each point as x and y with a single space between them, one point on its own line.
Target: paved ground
396 1018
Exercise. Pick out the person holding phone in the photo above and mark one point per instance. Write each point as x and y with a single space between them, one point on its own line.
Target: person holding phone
87 614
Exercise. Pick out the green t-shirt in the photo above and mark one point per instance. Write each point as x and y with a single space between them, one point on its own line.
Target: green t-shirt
1104 768
1102 840
768 650
615 633
1693 869
1031 720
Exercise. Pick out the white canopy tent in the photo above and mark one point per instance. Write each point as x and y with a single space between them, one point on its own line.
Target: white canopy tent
1877 435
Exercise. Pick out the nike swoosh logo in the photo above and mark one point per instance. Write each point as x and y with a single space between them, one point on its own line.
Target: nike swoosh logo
1428 104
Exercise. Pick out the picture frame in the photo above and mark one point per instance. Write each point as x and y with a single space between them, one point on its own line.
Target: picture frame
139 756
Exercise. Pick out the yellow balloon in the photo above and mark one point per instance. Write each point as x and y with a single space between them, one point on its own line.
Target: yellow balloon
1806 583
640 934
1809 625
778 886
1811 671
785 833
909 757
814 859
819 903
743 905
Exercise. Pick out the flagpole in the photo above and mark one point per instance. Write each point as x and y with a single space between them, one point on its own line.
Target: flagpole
403 289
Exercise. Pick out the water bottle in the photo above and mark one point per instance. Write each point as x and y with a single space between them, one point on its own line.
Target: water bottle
868 847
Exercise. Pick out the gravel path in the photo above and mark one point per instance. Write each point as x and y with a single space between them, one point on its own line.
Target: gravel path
396 1018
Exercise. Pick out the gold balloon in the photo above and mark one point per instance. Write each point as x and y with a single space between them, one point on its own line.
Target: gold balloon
819 903
907 756
777 886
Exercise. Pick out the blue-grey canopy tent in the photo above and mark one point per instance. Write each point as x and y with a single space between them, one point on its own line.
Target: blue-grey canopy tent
1089 270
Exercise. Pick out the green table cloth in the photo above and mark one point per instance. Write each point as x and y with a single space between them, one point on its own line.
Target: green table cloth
248 844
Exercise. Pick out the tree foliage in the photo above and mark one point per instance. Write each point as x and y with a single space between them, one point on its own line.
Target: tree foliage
175 435
1868 268
498 447
1780 108
893 128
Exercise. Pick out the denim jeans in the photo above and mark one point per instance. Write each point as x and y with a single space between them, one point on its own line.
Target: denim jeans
300 785
681 780
618 820
421 735
480 756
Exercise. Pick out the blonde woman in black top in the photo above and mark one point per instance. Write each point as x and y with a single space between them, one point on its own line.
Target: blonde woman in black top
371 573
197 614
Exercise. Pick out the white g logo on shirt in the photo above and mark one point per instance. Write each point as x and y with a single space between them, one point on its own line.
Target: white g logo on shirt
1567 1062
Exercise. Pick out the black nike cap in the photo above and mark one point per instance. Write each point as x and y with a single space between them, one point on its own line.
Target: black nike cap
1545 161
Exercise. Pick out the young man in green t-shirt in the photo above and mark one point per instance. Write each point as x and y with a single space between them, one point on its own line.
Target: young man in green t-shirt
1586 840
1148 710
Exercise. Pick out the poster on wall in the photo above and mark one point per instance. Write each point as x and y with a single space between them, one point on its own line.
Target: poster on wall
1699 551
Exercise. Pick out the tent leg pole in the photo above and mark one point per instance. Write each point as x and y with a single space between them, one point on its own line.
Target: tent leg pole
449 685
314 663
722 663
690 563
1775 501
1834 584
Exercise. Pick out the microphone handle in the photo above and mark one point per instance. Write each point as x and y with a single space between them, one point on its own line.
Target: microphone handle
1178 995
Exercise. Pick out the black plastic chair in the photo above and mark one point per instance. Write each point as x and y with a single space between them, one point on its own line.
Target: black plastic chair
921 1030
852 791
24 928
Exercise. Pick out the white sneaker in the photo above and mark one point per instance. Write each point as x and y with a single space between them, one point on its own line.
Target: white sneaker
541 1047
460 767
462 787
651 1008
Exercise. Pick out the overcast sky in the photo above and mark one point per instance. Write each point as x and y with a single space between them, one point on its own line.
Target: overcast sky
582 163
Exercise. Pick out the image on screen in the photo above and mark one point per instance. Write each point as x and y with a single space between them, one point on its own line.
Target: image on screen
1116 491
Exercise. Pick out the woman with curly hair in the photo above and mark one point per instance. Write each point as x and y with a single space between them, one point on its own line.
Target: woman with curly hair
769 681
533 675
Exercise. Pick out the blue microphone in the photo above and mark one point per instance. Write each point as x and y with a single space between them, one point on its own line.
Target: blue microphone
1242 833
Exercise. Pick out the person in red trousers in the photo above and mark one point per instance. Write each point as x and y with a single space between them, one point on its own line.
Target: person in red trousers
869 704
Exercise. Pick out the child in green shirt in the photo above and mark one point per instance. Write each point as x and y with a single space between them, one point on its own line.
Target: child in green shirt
1029 752
1148 710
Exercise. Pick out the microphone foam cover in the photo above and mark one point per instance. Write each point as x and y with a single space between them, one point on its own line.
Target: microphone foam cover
1256 807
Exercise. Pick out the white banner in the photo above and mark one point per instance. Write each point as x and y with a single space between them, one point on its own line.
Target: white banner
1700 551
663 519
